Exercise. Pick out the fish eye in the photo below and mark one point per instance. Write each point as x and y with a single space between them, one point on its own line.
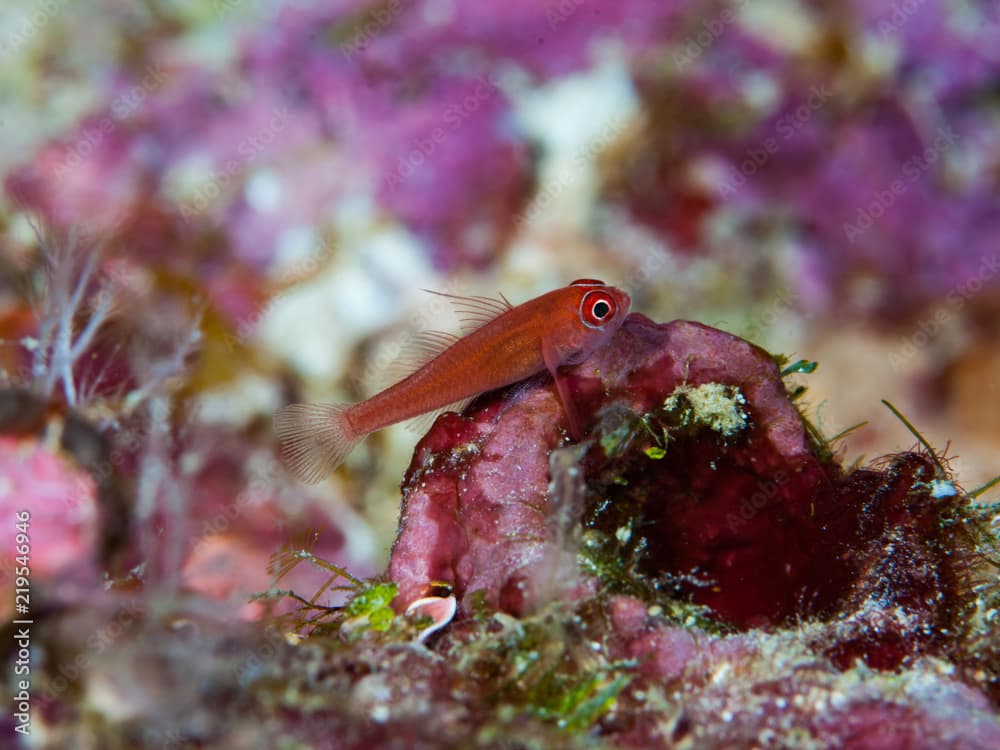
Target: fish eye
596 308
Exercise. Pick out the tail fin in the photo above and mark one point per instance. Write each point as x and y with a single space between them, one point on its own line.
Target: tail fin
315 439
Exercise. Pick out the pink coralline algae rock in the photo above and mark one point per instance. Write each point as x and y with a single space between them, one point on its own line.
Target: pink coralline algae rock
245 512
60 500
476 496
474 502
769 691
699 476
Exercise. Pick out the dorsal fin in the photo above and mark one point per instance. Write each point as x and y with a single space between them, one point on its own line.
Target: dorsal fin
473 313
419 349
476 311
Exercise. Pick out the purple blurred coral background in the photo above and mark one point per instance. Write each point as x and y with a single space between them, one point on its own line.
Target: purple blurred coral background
241 201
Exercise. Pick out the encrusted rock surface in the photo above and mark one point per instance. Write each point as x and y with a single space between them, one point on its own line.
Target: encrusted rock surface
699 477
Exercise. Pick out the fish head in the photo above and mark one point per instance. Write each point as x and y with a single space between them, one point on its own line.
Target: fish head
597 311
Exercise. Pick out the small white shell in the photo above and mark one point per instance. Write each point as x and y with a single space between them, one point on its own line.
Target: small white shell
441 610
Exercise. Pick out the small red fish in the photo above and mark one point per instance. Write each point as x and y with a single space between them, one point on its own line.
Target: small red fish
504 344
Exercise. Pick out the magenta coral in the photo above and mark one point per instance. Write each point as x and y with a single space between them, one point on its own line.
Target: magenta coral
823 143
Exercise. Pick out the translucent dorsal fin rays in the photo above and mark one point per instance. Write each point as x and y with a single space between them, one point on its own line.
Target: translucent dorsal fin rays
475 311
424 346
420 349
470 323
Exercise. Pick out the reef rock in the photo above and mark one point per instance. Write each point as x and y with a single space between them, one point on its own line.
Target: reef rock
699 481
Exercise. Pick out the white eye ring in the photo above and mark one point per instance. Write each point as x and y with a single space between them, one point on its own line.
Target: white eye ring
588 314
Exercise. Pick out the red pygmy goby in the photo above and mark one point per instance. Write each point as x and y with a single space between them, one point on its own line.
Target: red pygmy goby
503 344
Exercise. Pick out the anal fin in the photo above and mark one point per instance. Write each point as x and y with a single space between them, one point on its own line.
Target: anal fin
422 424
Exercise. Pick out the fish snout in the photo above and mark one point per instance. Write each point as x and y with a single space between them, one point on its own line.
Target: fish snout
623 302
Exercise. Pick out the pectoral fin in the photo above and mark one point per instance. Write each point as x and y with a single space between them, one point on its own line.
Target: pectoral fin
562 388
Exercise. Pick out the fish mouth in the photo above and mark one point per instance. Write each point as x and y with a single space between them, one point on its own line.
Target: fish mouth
624 302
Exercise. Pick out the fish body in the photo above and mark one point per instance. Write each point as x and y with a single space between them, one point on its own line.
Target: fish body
504 344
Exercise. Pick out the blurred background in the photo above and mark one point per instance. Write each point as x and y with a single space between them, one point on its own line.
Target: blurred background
249 197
